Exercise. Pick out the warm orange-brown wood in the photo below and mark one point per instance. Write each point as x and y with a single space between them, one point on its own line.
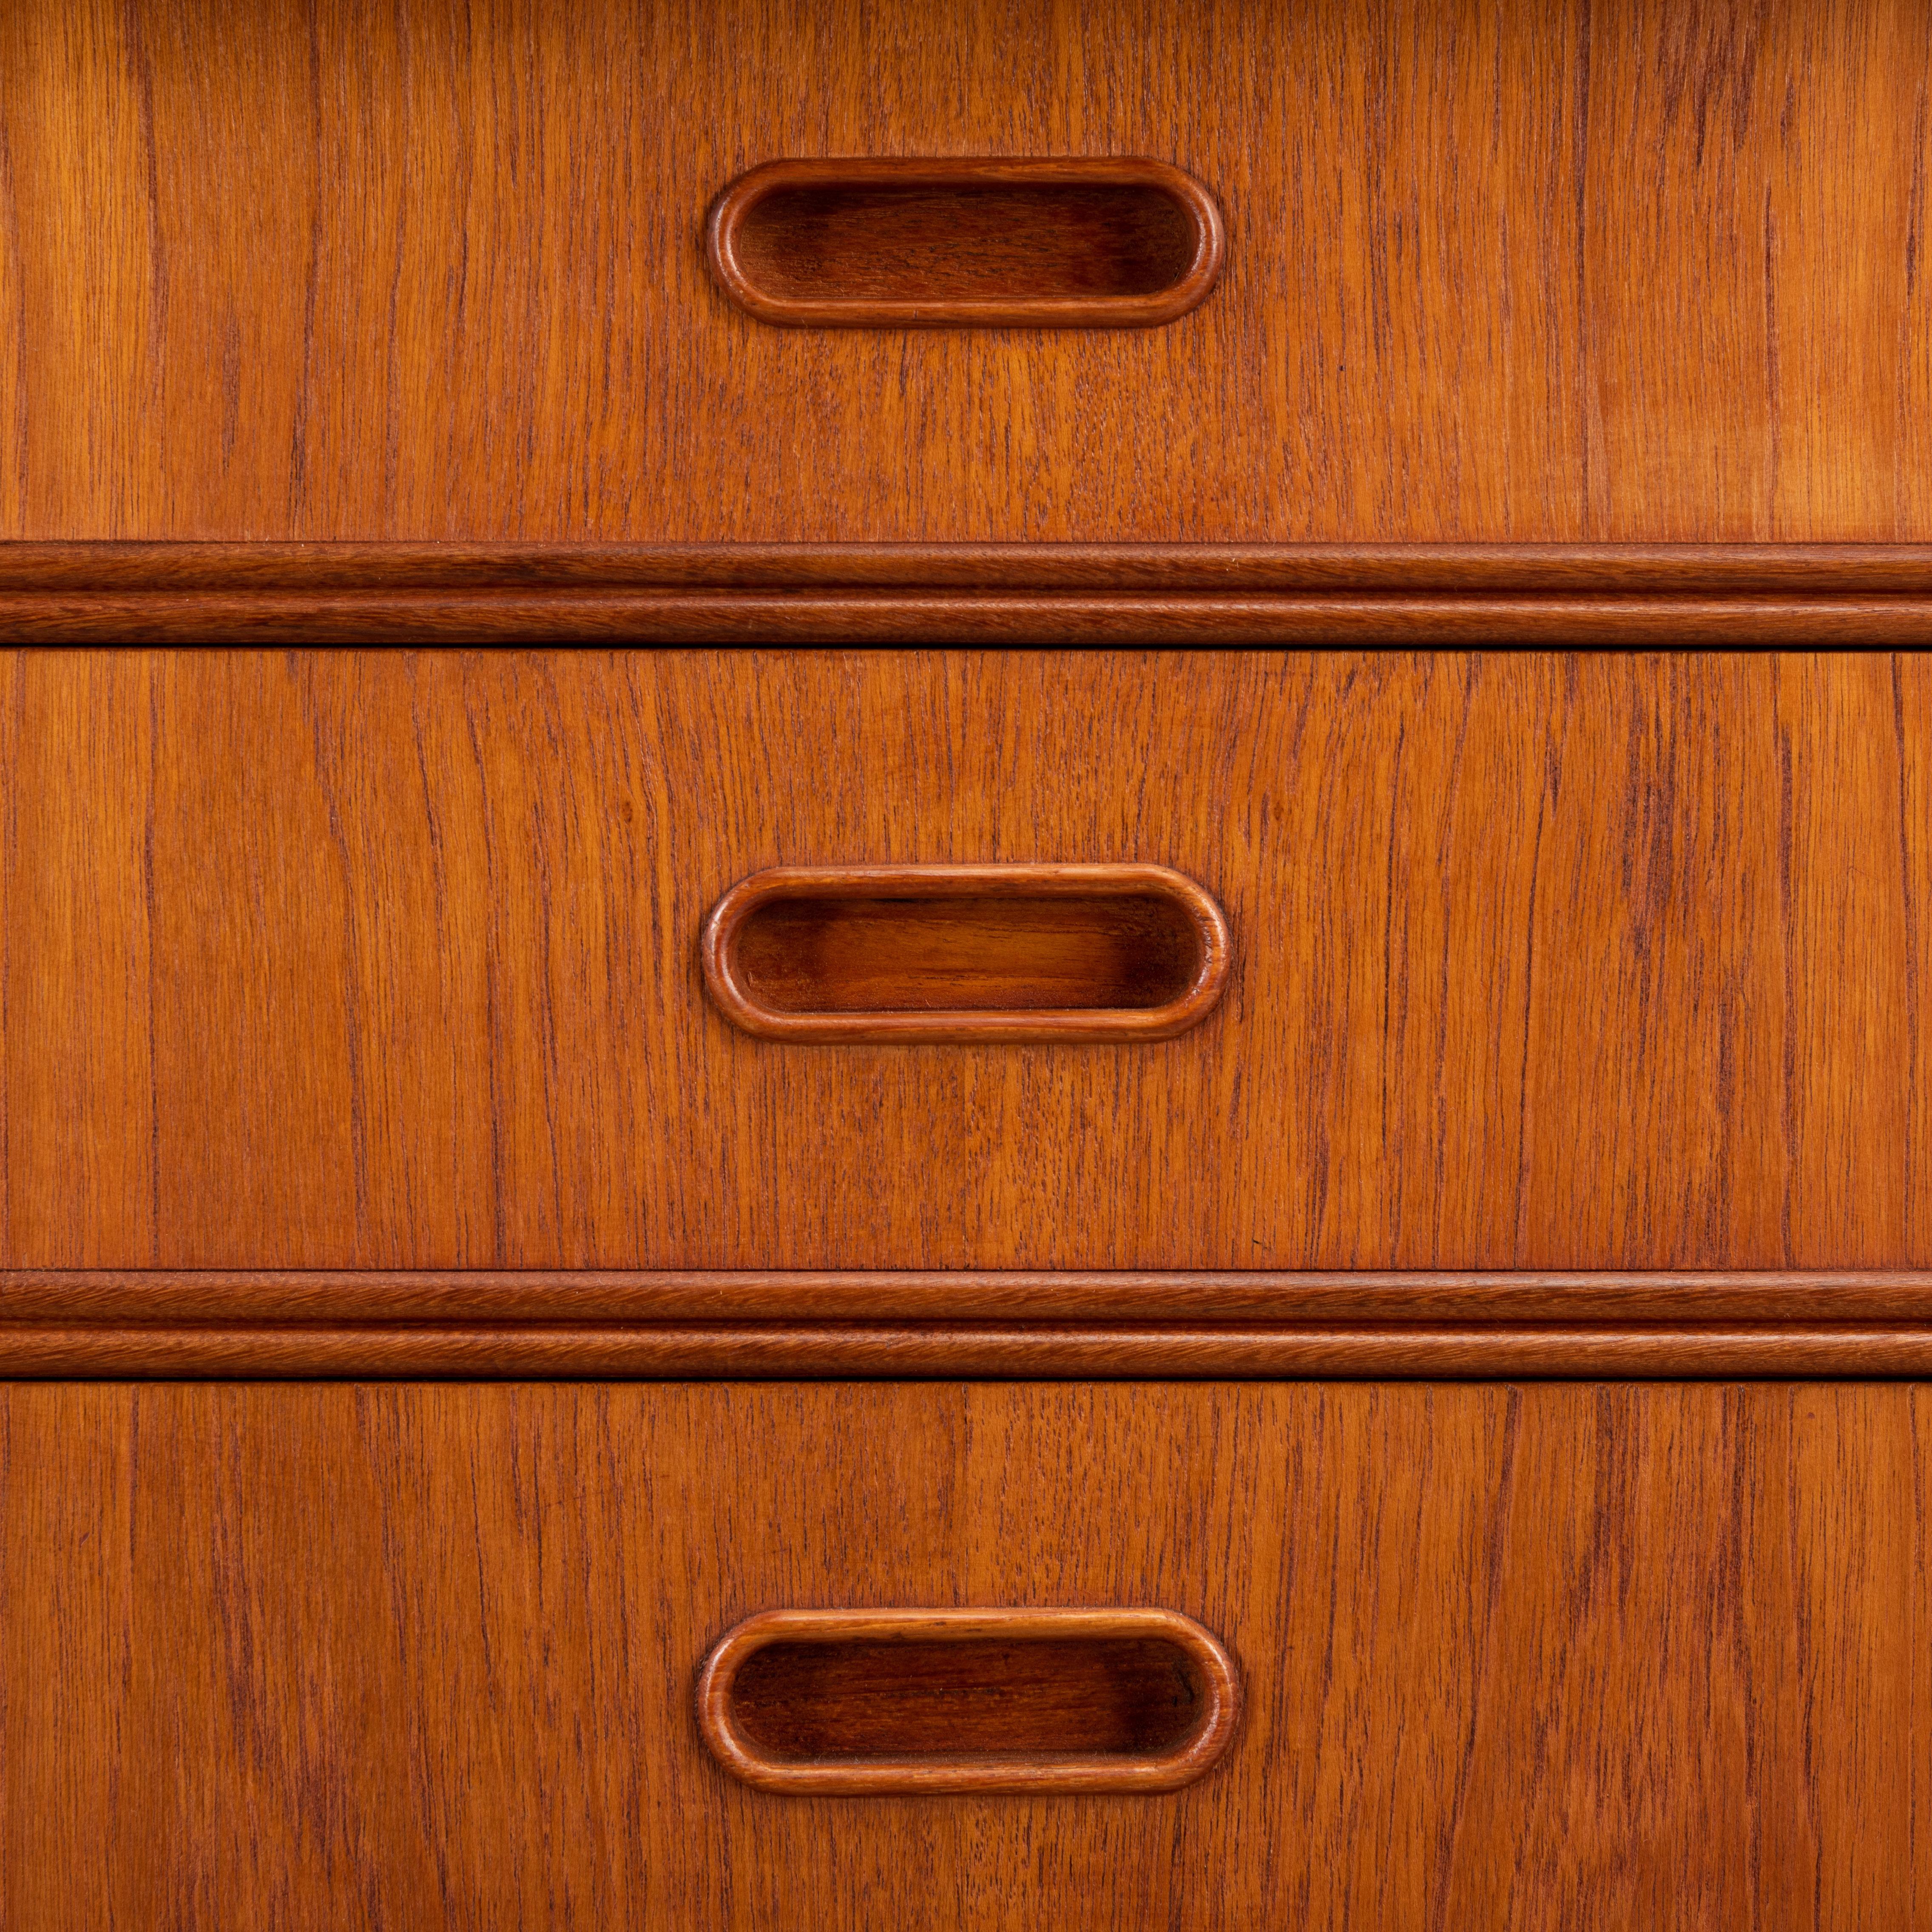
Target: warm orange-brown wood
1254 1299
951 243
1601 328
779 1325
1547 268
596 617
1624 596
917 1702
509 616
966 954
1574 577
392 961
265 1348
1554 1659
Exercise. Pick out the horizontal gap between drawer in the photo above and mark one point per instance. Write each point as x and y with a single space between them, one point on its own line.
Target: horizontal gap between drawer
540 1352
1655 570
1008 1325
868 1297
967 620
1612 596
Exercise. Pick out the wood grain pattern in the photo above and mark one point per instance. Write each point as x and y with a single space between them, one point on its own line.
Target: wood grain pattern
742 619
384 960
965 955
1621 595
1585 572
1416 1351
1523 1658
1258 1298
261 1325
960 243
919 1702
1567 269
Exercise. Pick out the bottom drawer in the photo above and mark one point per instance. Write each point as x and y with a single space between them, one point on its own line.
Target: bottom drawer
1554 1656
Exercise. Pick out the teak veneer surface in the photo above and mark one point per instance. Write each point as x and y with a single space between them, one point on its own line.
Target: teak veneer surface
942 1324
384 960
966 955
1071 243
1355 596
1554 1659
1570 269
915 1700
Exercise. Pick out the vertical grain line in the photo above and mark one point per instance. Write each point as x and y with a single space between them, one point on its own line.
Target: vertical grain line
1495 1544
499 1200
1773 400
1551 779
1914 217
1914 1071
151 901
1584 343
10 859
9 209
157 259
1912 329
392 414
305 384
1789 932
1472 671
439 898
1395 1005
329 776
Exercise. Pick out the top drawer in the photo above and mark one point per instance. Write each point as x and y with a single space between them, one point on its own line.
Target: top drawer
377 959
1573 270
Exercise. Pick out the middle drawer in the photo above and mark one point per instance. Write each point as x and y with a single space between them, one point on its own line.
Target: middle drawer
373 959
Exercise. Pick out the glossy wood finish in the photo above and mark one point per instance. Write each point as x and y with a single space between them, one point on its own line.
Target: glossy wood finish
922 1701
390 960
1581 573
753 1352
1519 1658
1563 269
762 1328
960 243
1252 1298
1621 595
951 617
376 960
962 955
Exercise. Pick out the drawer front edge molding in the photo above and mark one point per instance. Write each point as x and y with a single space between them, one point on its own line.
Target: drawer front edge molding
1871 595
373 1324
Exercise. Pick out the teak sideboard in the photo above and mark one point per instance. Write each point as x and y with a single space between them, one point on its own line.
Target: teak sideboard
966 963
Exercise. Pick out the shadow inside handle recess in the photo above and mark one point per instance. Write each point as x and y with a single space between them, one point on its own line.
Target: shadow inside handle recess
970 954
1087 1697
874 242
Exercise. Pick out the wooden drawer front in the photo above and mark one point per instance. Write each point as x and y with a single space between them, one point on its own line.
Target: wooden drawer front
469 297
1518 1658
376 960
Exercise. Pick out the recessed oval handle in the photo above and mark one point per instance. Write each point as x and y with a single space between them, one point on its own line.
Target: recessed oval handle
966 953
1119 242
854 1703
